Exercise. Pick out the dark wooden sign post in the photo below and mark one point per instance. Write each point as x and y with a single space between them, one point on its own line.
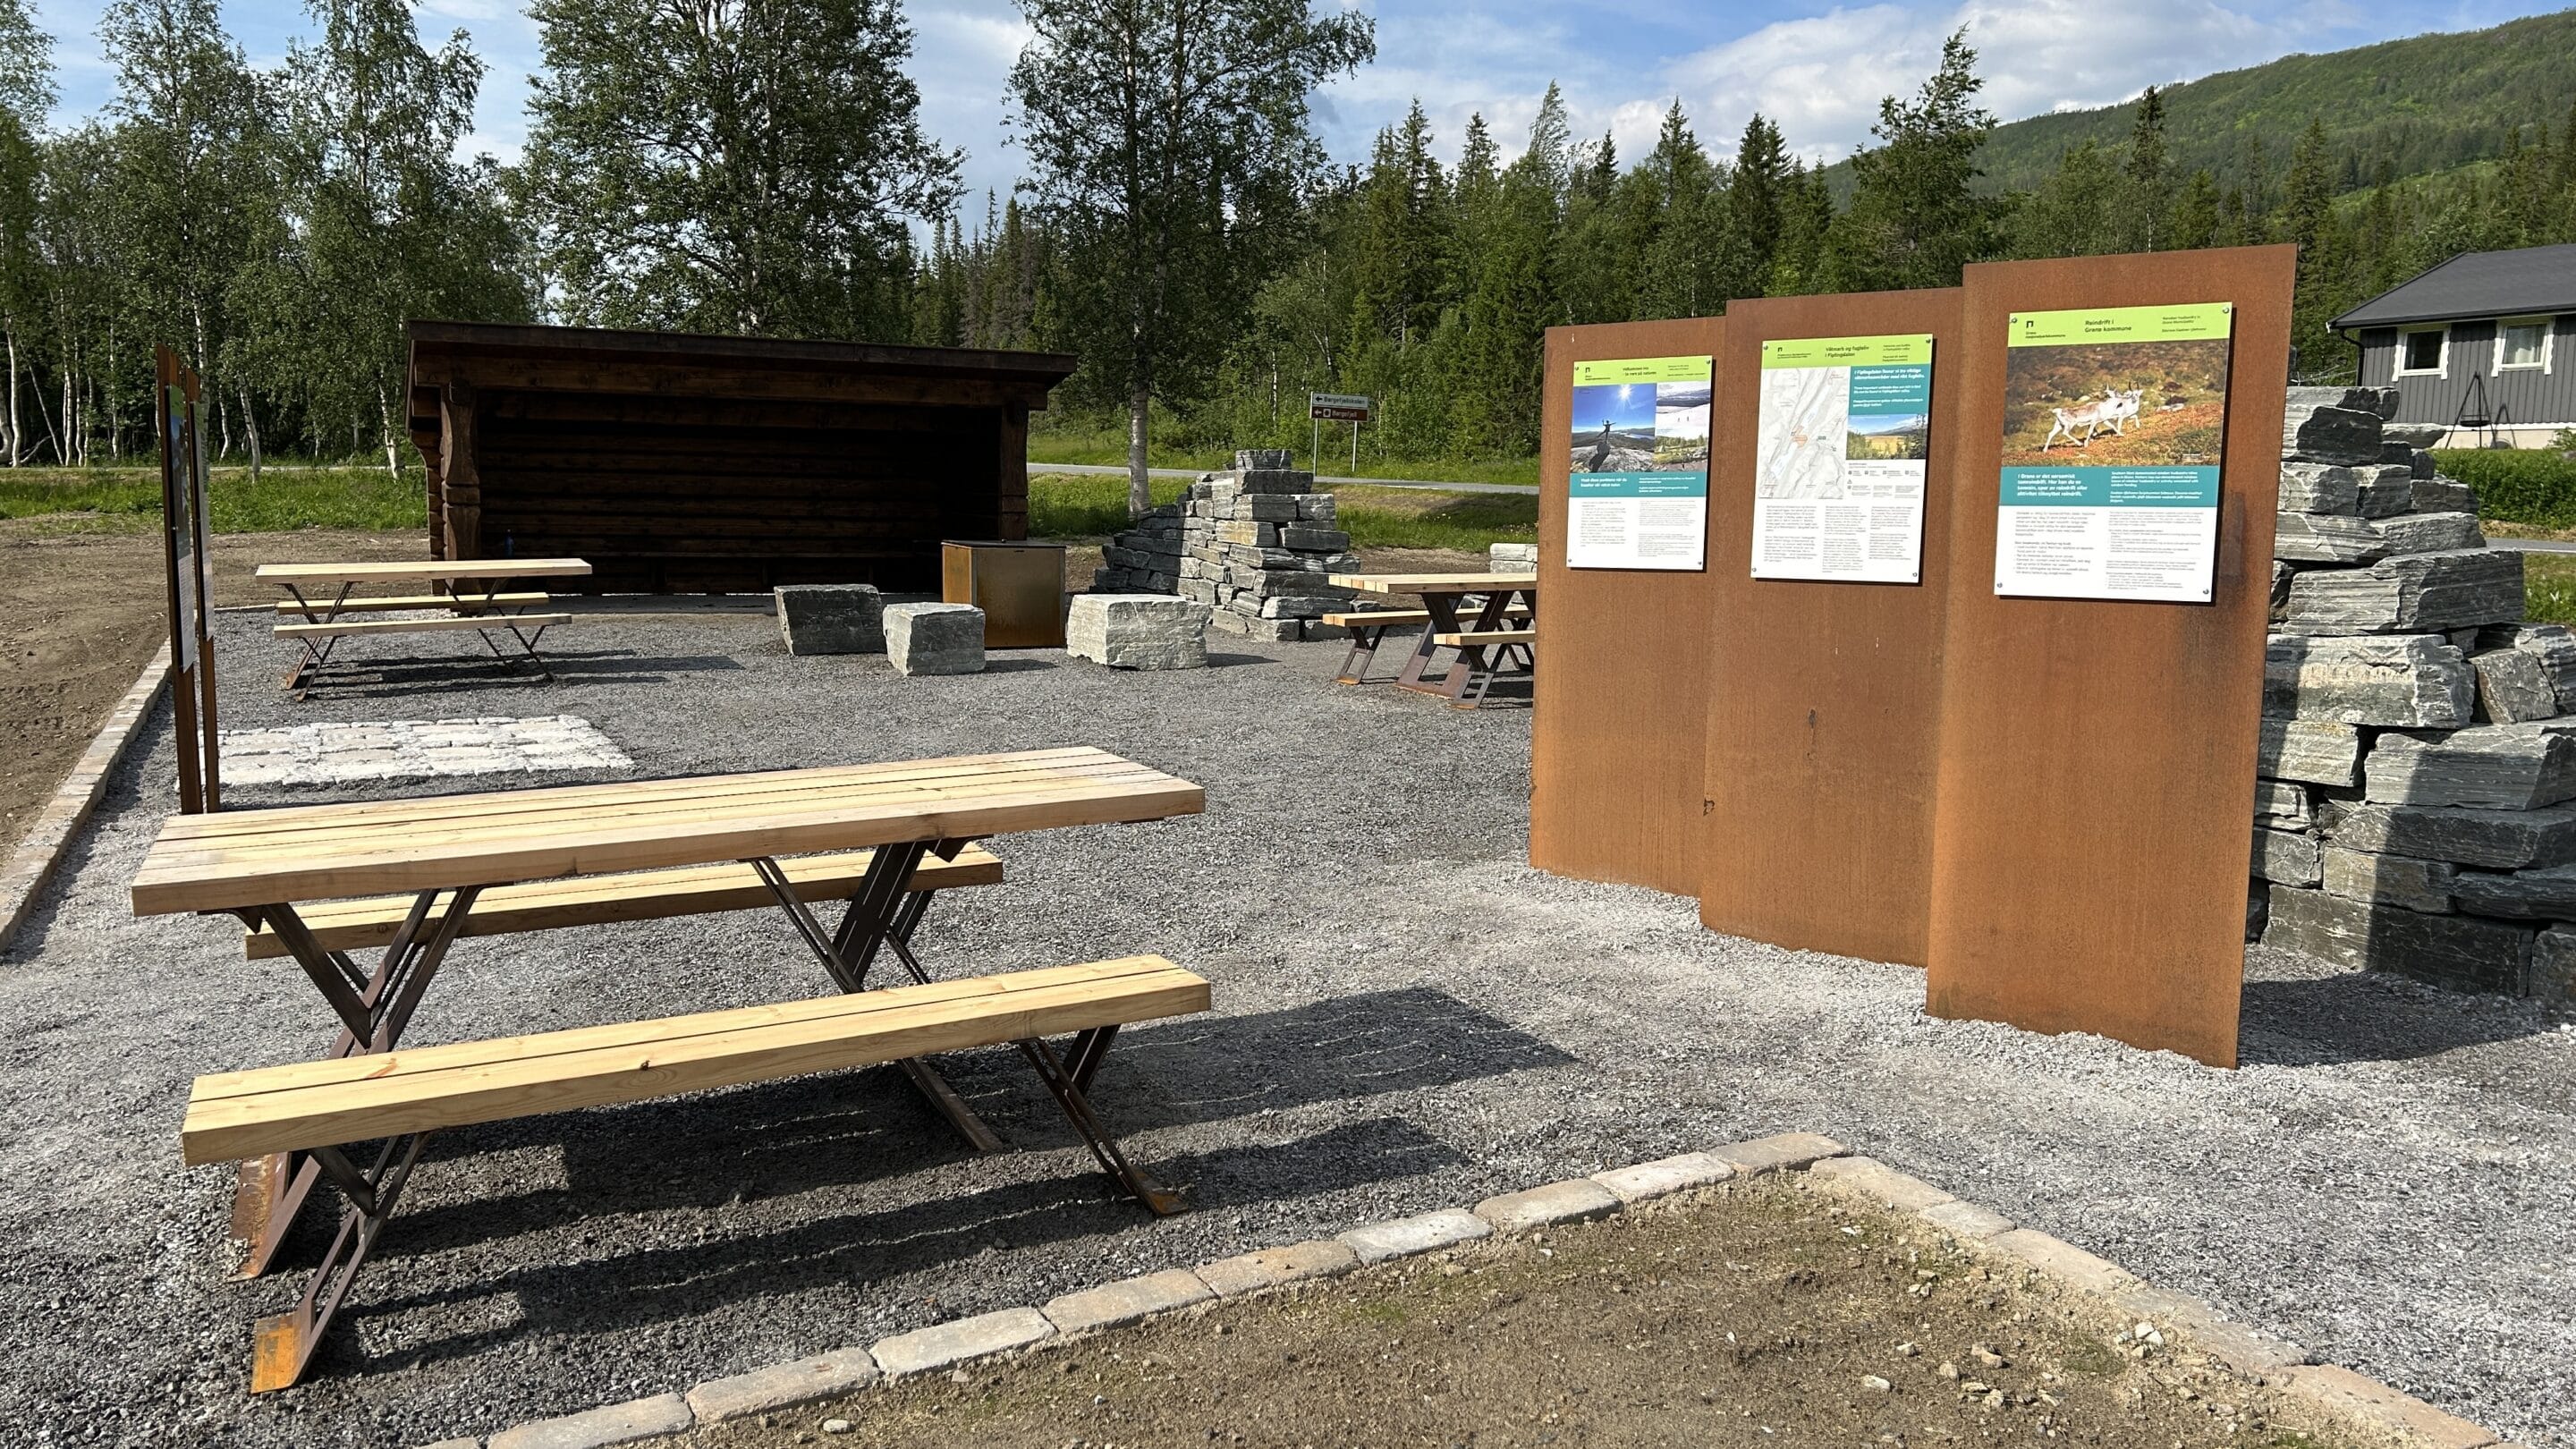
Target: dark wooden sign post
183 537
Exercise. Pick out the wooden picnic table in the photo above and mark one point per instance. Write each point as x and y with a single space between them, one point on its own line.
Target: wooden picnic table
1484 638
319 622
266 866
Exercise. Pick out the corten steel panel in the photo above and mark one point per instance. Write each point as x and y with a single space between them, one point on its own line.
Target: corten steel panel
2090 844
1823 698
1019 586
1615 750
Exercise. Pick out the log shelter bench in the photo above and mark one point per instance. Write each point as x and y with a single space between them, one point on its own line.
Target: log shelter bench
315 612
448 853
1466 613
1368 629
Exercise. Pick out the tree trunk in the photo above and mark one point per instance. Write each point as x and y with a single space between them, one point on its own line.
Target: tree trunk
15 432
393 450
1139 497
250 429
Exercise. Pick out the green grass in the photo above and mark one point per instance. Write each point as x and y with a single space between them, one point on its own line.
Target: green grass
1069 445
128 500
2535 486
2549 588
1071 505
1079 505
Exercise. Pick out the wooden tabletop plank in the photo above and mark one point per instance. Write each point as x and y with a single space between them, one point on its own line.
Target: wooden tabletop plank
236 859
472 568
1434 583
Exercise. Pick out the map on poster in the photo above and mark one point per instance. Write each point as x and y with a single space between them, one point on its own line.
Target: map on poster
2114 422
1843 438
1637 476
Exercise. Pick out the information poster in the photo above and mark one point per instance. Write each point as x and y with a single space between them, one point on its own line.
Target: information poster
2114 422
1637 482
1844 437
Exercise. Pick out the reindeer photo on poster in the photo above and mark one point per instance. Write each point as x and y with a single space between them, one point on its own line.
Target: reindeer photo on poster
1637 476
2114 422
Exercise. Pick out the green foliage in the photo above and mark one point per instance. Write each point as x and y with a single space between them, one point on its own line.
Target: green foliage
1080 505
1916 218
1393 518
2534 486
2549 588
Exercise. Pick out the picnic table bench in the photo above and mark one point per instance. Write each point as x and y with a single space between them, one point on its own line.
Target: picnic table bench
1488 619
651 848
319 620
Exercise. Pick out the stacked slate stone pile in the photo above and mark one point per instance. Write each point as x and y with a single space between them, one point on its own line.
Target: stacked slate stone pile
1256 542
2417 806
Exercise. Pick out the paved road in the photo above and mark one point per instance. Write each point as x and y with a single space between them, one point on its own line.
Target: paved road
1371 482
2533 545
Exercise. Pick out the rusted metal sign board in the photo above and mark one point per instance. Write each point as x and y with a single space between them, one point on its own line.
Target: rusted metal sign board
2090 843
1823 697
1622 688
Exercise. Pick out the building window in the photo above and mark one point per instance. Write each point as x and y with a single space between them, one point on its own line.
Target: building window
2421 351
2522 342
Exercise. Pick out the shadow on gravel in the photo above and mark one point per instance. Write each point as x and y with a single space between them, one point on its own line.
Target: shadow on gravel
1018 665
1228 661
855 1250
459 673
2357 1017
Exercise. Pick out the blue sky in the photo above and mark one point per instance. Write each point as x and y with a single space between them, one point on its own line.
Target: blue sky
1818 69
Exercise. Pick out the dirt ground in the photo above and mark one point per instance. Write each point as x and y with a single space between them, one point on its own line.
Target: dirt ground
1763 1314
81 612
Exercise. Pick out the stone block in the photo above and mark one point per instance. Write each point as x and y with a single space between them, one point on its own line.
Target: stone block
2062 1260
2331 434
1113 1304
2429 532
2408 594
2406 681
2386 492
2373 400
1138 631
2513 688
2319 752
2463 835
2496 767
2285 859
1275 480
2258 908
2554 645
2389 880
1511 558
1252 626
945 1345
1318 508
1573 1201
2282 806
1257 535
1965 1220
1302 606
1404 1237
2327 538
2414 435
1878 1182
1314 540
1277 1267
1266 508
2444 495
2319 488
1785 1152
2553 967
2365 1404
1663 1177
2547 893
783 1386
2249 1352
2458 951
831 618
1268 460
627 1423
935 638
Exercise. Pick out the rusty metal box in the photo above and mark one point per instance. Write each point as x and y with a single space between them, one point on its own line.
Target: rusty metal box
1018 585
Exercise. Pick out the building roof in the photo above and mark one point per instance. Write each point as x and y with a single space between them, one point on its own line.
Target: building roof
2477 284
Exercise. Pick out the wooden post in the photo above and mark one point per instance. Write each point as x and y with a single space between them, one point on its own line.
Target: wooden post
461 491
1011 494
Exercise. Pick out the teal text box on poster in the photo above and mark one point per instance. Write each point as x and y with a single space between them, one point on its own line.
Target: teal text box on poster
2109 488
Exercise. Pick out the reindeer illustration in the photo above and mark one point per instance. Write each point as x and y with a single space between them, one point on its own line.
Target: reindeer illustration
2085 421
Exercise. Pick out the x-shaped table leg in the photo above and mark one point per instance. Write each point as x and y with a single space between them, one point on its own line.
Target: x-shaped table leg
313 660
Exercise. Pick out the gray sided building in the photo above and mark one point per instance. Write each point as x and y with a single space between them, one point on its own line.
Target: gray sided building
2484 344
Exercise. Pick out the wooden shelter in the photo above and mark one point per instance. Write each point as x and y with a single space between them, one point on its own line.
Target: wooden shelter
683 463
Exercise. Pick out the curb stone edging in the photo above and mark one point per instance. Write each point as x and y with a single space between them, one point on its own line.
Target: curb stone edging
2336 1396
31 866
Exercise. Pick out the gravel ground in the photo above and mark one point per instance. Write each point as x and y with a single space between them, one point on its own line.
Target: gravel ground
1408 1017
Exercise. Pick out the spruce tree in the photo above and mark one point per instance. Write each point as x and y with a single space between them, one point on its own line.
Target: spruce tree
1755 210
1915 218
2148 193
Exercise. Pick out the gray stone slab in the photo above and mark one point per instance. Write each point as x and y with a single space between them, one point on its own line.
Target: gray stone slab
2428 532
2554 645
1785 1152
2403 681
2378 401
831 618
1138 631
2378 1412
1879 1182
1277 1267
1404 1237
2062 1260
2331 434
2286 859
2435 494
2497 767
945 1345
2513 688
1965 1220
2496 839
626 1423
1249 460
2547 893
2386 492
1663 1177
1315 539
935 638
783 1386
2319 488
1511 558
2454 950
2248 1351
1267 508
2281 805
2320 752
2553 967
1127 1301
1575 1200
2392 880
2327 538
2408 594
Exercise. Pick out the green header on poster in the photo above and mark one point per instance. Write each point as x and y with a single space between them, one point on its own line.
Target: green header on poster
2189 322
1847 351
1642 369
